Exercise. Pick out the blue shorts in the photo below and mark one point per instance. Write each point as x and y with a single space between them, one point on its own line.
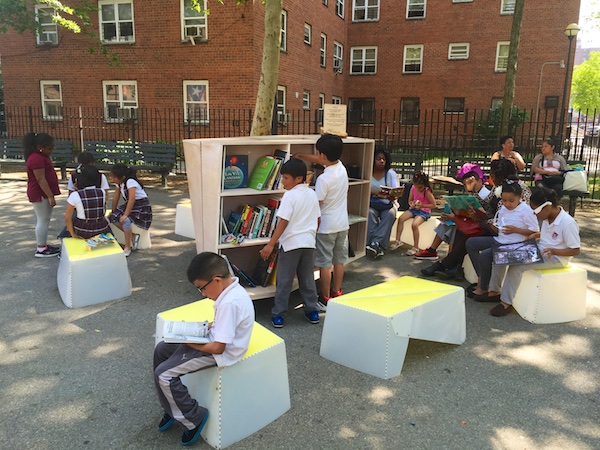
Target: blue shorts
418 212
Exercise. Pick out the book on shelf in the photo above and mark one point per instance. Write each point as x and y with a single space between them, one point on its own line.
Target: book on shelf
260 214
243 276
177 332
261 172
246 218
525 252
233 222
235 174
264 267
284 156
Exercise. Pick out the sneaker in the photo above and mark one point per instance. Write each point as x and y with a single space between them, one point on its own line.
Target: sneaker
48 252
136 241
277 321
380 252
127 252
427 254
165 423
312 317
190 436
454 273
395 245
372 249
54 247
322 302
431 270
413 251
334 294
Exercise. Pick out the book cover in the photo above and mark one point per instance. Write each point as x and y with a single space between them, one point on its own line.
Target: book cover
461 204
242 276
266 222
392 191
246 217
264 267
233 221
235 174
261 172
260 213
526 252
274 174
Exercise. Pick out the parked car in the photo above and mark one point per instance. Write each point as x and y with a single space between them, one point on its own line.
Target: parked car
592 131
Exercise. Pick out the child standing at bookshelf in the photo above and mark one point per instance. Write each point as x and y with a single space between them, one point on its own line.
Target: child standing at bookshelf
332 236
298 216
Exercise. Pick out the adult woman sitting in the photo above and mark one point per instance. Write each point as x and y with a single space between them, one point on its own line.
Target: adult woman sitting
559 242
507 145
382 212
548 168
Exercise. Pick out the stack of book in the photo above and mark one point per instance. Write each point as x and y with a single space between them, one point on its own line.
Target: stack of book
266 173
254 221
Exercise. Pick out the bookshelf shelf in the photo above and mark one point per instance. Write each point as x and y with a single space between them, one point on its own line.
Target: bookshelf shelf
205 162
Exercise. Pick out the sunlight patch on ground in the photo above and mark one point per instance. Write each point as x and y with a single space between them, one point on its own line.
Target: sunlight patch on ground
380 395
583 382
346 433
513 438
106 349
581 426
40 385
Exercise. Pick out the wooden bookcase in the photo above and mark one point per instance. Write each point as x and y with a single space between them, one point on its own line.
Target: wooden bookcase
211 204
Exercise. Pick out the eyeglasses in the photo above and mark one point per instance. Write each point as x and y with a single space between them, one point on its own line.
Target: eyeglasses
538 210
201 289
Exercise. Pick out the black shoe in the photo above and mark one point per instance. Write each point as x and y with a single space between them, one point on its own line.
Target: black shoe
191 436
372 249
454 273
380 252
432 269
165 423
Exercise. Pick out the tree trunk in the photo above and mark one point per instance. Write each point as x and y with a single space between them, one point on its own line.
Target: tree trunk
511 70
269 71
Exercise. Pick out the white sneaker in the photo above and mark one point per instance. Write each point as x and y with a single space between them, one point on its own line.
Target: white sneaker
127 252
395 245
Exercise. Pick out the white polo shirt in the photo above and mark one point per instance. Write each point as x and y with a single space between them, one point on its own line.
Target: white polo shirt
300 207
521 217
562 233
332 191
234 319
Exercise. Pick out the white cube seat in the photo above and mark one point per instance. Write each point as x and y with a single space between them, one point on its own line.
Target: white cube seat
552 295
184 222
426 231
241 398
87 277
368 330
145 241
469 270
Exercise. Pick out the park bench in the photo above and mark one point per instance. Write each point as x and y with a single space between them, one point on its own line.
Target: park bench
11 153
574 195
139 156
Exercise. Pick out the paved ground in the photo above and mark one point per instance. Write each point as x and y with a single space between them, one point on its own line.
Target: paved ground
81 378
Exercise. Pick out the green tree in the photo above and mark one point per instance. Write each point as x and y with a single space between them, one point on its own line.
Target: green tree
585 90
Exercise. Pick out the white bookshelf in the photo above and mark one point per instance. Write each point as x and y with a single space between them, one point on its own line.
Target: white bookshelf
205 162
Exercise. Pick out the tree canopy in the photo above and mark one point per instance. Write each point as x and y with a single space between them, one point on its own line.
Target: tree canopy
585 91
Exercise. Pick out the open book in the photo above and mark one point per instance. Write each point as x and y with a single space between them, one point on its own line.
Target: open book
526 252
99 241
175 332
392 191
461 204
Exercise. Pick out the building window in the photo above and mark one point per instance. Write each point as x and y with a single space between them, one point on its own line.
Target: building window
321 106
323 49
507 6
415 9
195 101
48 30
361 110
551 102
502 56
116 21
458 51
306 100
454 105
409 111
120 100
283 45
336 100
281 94
51 100
338 57
496 103
324 2
363 60
413 59
462 1
365 10
193 22
339 8
307 34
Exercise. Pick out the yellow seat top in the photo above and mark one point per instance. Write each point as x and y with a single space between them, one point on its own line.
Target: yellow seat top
393 297
203 310
78 250
559 270
185 204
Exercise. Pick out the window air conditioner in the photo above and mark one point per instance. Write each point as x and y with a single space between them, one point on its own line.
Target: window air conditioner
126 113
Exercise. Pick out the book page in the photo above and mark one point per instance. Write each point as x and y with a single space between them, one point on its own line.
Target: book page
174 332
460 204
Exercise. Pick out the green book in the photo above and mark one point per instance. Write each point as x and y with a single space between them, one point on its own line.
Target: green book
261 172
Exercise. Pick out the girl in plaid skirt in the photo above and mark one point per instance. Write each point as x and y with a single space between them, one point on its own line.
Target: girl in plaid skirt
136 208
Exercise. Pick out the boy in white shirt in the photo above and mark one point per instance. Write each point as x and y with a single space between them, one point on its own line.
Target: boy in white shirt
296 229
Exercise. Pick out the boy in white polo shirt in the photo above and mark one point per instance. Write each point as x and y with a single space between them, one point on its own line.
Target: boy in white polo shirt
298 216
332 237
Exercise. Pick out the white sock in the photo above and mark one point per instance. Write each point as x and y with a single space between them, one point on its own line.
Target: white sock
41 249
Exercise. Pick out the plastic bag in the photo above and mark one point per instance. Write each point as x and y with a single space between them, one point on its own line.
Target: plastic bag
575 181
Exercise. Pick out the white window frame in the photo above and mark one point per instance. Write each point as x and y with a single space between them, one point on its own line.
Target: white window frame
409 117
364 9
454 112
194 24
281 105
462 1
405 61
121 103
338 57
499 46
339 8
507 7
324 2
189 101
47 101
307 33
336 100
321 101
411 6
358 56
47 34
118 39
323 50
496 103
455 50
305 99
283 45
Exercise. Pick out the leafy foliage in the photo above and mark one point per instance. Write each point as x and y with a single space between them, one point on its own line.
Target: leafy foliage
585 92
487 125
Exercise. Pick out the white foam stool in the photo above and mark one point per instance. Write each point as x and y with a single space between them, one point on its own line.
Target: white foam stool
469 270
242 398
184 222
368 330
145 241
552 295
426 232
87 277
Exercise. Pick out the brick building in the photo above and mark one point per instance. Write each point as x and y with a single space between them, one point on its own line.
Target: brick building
406 55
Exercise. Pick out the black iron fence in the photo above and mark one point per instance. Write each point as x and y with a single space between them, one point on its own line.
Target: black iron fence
432 133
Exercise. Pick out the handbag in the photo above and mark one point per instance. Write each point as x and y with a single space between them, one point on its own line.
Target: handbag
552 180
468 226
575 181
378 204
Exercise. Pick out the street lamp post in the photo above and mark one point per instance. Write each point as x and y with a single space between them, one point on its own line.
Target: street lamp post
571 32
561 64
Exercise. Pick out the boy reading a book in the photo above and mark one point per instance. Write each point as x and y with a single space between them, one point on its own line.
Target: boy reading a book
296 230
332 236
229 335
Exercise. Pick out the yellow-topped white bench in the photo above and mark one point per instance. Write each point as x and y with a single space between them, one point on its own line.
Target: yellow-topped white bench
242 398
87 277
368 330
552 295
145 241
184 221
426 231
